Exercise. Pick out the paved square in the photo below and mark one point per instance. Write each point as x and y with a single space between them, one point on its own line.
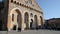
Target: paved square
31 32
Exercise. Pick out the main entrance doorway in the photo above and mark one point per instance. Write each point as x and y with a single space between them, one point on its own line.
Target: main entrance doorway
17 19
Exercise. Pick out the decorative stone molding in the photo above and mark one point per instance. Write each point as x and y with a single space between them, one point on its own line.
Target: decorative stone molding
21 4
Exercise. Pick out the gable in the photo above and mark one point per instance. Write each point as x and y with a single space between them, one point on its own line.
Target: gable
33 4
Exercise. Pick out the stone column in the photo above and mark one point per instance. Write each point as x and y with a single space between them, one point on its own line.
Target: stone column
9 22
23 24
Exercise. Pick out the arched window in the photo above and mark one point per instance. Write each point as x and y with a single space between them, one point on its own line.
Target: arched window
12 17
31 15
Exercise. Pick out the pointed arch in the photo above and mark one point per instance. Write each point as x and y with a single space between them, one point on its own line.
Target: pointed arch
35 19
26 19
17 18
41 20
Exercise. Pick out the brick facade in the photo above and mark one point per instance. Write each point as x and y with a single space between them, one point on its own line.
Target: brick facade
27 10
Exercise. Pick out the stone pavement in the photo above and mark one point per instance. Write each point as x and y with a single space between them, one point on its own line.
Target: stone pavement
31 32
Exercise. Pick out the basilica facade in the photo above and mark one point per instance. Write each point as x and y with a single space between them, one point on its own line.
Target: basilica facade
21 14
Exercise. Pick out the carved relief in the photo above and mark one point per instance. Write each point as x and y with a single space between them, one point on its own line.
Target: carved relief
28 1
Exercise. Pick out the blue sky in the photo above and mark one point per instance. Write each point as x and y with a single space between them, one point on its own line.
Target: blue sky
0 0
51 8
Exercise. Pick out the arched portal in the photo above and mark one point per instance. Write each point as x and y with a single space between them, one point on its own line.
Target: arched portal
17 18
41 20
26 20
35 19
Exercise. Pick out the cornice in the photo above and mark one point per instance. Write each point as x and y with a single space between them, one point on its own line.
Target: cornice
24 5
